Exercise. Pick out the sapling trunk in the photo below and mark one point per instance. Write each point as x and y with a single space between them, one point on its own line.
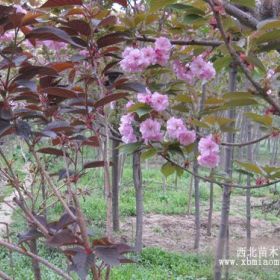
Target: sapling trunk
137 178
223 236
190 196
197 205
35 264
248 191
210 211
115 185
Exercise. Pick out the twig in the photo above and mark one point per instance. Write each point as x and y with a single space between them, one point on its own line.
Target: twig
36 257
259 90
4 276
191 42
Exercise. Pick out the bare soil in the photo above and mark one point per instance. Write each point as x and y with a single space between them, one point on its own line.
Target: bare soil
176 232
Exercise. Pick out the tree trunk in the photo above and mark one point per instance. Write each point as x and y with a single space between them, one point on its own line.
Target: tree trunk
248 191
115 185
35 263
190 196
223 236
137 178
197 204
210 211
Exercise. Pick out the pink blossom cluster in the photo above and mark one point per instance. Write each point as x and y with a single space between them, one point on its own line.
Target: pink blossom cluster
136 60
20 10
7 36
176 130
159 102
126 129
209 152
197 69
54 45
150 130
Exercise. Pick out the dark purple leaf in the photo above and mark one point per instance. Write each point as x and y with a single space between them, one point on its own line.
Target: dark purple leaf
109 98
59 3
51 33
111 39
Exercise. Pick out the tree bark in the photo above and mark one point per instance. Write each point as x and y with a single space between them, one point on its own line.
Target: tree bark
137 178
210 211
35 263
248 191
223 236
115 185
197 204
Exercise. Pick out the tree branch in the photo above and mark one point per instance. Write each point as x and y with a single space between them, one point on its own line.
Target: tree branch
36 257
4 276
221 184
190 42
259 90
246 143
245 18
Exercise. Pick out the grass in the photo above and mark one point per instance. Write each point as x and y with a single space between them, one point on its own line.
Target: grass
160 197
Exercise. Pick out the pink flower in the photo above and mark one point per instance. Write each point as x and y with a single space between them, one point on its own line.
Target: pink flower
183 72
145 97
7 36
163 44
187 137
159 102
126 129
149 56
129 104
84 53
54 45
197 65
133 60
150 130
202 69
209 160
207 145
208 72
162 50
20 10
175 127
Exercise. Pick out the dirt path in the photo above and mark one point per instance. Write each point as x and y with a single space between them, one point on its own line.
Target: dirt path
6 212
176 232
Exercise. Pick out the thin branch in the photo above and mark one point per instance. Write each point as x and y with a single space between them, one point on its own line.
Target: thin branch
4 276
246 143
36 257
244 17
221 184
191 42
259 90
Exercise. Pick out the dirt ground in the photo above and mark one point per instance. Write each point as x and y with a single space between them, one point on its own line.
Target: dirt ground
176 232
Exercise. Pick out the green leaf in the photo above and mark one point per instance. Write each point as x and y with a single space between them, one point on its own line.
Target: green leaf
140 108
250 167
245 3
129 148
148 153
191 18
222 62
266 25
184 98
179 171
262 119
267 36
235 99
241 102
181 108
156 4
168 169
187 8
256 62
